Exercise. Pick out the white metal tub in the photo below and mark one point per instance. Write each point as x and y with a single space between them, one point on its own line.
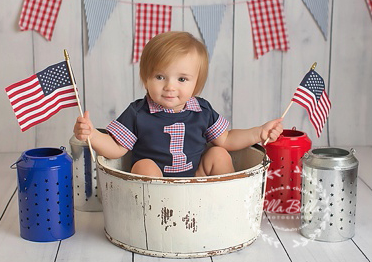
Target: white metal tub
184 217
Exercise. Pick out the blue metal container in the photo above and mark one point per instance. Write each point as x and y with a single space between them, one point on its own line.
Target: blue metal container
45 193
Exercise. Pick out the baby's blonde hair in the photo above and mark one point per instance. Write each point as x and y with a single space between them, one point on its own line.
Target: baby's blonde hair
162 49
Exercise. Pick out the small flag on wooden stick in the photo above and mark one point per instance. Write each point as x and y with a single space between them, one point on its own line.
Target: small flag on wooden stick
39 97
311 95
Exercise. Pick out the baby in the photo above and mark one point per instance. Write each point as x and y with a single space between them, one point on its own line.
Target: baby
168 130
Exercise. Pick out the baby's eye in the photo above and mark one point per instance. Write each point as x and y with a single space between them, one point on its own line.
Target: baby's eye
159 77
182 79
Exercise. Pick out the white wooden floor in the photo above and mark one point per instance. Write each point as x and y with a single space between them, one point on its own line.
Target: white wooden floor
278 241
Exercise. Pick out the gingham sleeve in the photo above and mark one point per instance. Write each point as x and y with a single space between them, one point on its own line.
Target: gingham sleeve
215 130
217 123
123 128
122 134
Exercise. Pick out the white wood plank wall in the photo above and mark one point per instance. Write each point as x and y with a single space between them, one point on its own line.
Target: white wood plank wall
245 90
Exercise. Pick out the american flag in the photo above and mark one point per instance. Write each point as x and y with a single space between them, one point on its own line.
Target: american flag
311 94
37 98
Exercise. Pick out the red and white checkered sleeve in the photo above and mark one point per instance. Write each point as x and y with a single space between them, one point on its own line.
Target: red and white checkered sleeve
122 134
215 130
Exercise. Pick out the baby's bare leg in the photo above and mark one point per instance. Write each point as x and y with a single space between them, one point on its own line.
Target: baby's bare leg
146 167
215 161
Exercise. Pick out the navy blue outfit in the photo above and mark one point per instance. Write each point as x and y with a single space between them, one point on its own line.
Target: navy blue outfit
174 141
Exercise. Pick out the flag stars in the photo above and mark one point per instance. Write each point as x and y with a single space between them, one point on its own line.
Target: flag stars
54 77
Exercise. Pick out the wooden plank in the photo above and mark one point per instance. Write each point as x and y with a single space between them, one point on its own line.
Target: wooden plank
363 226
351 64
17 64
303 249
15 248
142 258
8 178
218 88
267 241
307 45
107 68
256 82
89 242
57 130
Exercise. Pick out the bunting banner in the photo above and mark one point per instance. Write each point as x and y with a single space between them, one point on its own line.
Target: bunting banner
369 4
209 18
319 11
97 12
151 20
268 26
40 16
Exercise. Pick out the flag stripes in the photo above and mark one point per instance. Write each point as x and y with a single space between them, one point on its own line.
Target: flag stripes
318 111
30 105
42 95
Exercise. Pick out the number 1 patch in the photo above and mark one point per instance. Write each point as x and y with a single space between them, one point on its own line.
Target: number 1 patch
177 134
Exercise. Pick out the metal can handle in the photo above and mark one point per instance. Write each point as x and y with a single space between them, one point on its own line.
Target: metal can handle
21 158
352 151
306 155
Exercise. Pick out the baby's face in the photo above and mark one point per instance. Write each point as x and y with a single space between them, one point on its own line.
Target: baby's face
173 86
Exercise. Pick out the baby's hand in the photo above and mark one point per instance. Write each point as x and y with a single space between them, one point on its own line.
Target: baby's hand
272 130
83 127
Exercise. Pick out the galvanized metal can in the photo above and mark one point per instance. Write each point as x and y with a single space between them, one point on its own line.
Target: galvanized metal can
86 191
329 193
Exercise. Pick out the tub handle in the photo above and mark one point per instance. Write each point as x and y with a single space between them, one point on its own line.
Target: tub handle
266 161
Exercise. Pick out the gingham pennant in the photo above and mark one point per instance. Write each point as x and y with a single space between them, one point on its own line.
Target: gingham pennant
40 16
268 26
369 3
151 20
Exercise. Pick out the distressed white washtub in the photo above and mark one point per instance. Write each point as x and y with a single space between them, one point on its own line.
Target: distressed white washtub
184 217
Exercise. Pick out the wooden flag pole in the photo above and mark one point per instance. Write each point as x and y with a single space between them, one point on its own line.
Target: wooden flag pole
290 104
67 57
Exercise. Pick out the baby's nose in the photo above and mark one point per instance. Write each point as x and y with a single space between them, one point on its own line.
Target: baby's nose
169 86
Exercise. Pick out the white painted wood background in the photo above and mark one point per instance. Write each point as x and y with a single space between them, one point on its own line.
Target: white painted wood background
245 90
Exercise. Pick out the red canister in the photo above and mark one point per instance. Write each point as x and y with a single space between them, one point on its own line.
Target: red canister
283 186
